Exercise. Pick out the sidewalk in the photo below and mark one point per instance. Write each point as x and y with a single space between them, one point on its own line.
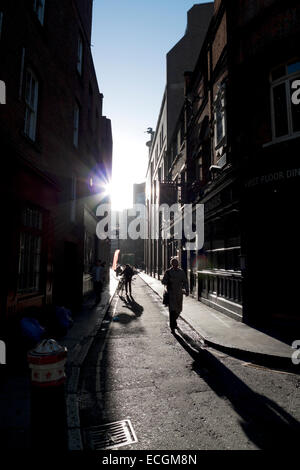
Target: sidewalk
15 409
223 333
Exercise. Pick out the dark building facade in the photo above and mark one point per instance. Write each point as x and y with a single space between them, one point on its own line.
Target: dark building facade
234 149
211 178
57 150
266 60
181 57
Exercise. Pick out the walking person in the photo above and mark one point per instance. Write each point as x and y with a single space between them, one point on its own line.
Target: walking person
175 280
118 271
128 273
98 274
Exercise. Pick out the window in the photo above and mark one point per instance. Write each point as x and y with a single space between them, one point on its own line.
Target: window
76 125
73 190
39 8
199 169
1 20
79 54
30 251
31 101
156 153
159 173
285 110
220 116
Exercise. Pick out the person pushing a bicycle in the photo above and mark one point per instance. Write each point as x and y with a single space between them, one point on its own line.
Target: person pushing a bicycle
119 271
128 273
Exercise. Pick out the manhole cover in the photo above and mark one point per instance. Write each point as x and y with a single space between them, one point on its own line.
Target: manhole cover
109 436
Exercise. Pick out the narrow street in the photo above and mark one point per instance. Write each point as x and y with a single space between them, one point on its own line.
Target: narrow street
177 394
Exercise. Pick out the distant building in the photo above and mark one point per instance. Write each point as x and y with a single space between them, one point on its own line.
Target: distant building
139 197
235 150
130 249
57 147
180 58
139 193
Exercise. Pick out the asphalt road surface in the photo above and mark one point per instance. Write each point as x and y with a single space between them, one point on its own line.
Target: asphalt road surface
177 394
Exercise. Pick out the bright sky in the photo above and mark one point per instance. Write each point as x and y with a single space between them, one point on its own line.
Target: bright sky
130 40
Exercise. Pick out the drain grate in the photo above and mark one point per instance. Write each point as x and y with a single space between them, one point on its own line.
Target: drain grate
109 436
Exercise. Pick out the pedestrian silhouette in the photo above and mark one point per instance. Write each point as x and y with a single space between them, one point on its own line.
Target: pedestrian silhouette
128 273
175 280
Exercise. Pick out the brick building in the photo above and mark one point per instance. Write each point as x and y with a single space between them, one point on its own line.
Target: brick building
57 151
214 273
266 120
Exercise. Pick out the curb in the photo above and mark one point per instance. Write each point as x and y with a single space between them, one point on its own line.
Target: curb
280 362
71 393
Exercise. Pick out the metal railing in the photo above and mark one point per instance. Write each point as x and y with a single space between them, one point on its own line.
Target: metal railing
221 284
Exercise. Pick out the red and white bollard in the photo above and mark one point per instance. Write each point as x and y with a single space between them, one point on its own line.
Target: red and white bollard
48 409
47 363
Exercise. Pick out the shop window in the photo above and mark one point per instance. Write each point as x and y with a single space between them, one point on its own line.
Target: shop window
31 101
233 259
285 105
30 251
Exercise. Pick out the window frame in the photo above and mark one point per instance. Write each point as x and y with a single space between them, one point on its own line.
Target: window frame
39 9
30 231
219 107
274 83
31 105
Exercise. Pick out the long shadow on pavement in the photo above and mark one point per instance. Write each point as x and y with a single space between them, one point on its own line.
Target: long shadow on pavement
263 421
133 306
